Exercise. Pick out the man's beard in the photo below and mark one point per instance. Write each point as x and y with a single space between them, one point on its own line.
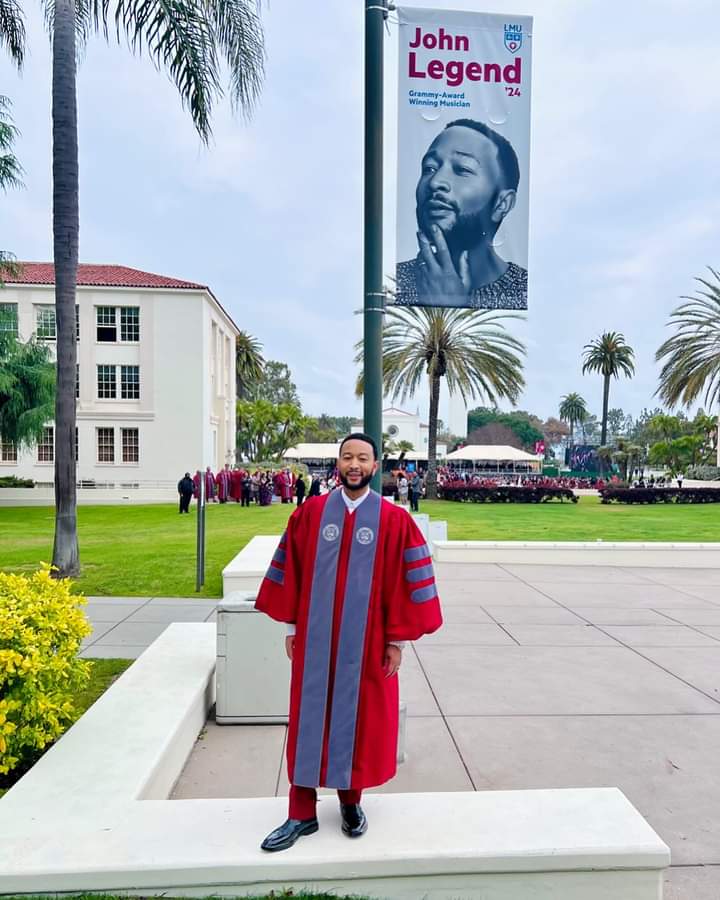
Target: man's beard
364 482
468 229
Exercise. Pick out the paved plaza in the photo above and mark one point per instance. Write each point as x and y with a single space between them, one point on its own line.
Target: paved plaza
542 677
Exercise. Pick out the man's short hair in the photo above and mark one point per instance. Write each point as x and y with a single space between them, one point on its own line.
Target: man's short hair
507 157
359 436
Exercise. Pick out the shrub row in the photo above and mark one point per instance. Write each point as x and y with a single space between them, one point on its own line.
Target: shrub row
505 494
660 495
41 629
12 481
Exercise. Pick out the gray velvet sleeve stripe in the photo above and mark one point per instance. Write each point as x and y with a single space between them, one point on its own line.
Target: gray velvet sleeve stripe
279 556
421 573
275 575
413 554
421 595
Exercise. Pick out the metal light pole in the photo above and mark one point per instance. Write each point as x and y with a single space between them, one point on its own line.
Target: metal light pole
375 14
200 543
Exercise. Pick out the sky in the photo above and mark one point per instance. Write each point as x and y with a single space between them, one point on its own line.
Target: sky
624 185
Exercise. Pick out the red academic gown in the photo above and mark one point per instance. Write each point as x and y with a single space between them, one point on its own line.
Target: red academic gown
352 583
222 480
236 477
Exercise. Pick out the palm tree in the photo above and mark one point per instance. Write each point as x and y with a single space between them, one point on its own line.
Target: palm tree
10 170
610 356
187 39
249 363
574 411
691 357
470 348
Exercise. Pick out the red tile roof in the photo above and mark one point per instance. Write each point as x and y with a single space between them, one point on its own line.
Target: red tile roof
100 276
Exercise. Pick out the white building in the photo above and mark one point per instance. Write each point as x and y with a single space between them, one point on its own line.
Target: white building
156 375
404 426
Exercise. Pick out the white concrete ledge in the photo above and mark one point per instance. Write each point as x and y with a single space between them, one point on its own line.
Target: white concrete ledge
92 816
580 553
246 570
132 744
569 844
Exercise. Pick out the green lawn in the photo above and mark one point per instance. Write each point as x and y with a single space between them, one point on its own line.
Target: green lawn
150 550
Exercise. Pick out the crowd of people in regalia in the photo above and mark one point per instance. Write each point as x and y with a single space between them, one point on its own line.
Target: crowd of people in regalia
451 477
246 485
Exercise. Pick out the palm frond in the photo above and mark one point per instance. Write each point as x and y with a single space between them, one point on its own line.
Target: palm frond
692 355
239 35
12 31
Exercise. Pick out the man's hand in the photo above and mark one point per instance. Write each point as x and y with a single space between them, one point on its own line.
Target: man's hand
290 646
437 276
393 656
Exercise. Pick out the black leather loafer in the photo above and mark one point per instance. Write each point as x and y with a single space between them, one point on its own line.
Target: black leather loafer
286 835
354 822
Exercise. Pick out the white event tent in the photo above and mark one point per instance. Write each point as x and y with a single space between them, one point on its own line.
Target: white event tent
500 458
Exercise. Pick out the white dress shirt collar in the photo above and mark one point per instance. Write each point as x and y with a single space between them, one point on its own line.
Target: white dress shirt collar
352 505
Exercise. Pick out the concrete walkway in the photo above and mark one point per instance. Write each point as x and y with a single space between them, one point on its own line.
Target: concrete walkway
541 677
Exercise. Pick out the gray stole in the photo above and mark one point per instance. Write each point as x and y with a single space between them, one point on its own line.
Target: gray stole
365 523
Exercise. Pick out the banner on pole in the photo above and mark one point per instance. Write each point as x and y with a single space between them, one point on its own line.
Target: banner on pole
463 159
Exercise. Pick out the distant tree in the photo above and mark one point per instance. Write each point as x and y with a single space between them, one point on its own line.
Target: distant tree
495 434
573 410
526 426
276 385
405 446
590 429
266 430
610 356
469 348
554 432
249 364
27 387
318 431
619 424
640 433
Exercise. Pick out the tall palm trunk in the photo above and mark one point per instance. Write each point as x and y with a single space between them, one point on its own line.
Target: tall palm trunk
66 227
431 483
606 398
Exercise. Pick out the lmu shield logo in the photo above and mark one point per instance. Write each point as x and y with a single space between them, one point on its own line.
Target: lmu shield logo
513 37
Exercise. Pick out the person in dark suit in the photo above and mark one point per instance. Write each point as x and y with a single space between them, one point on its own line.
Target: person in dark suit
300 489
185 489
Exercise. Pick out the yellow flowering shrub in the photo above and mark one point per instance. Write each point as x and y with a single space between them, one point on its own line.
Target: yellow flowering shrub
41 628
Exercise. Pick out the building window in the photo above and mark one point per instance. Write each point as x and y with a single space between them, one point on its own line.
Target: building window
106 383
106 445
45 323
46 445
130 323
106 324
9 318
77 381
130 382
8 452
130 445
77 445
77 322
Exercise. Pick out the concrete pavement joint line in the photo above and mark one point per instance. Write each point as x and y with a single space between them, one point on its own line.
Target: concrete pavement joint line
687 625
121 622
636 651
280 767
445 721
499 624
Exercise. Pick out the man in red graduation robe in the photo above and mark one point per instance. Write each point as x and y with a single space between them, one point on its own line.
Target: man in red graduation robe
353 579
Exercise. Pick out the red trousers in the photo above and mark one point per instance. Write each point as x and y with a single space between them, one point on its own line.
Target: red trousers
303 801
